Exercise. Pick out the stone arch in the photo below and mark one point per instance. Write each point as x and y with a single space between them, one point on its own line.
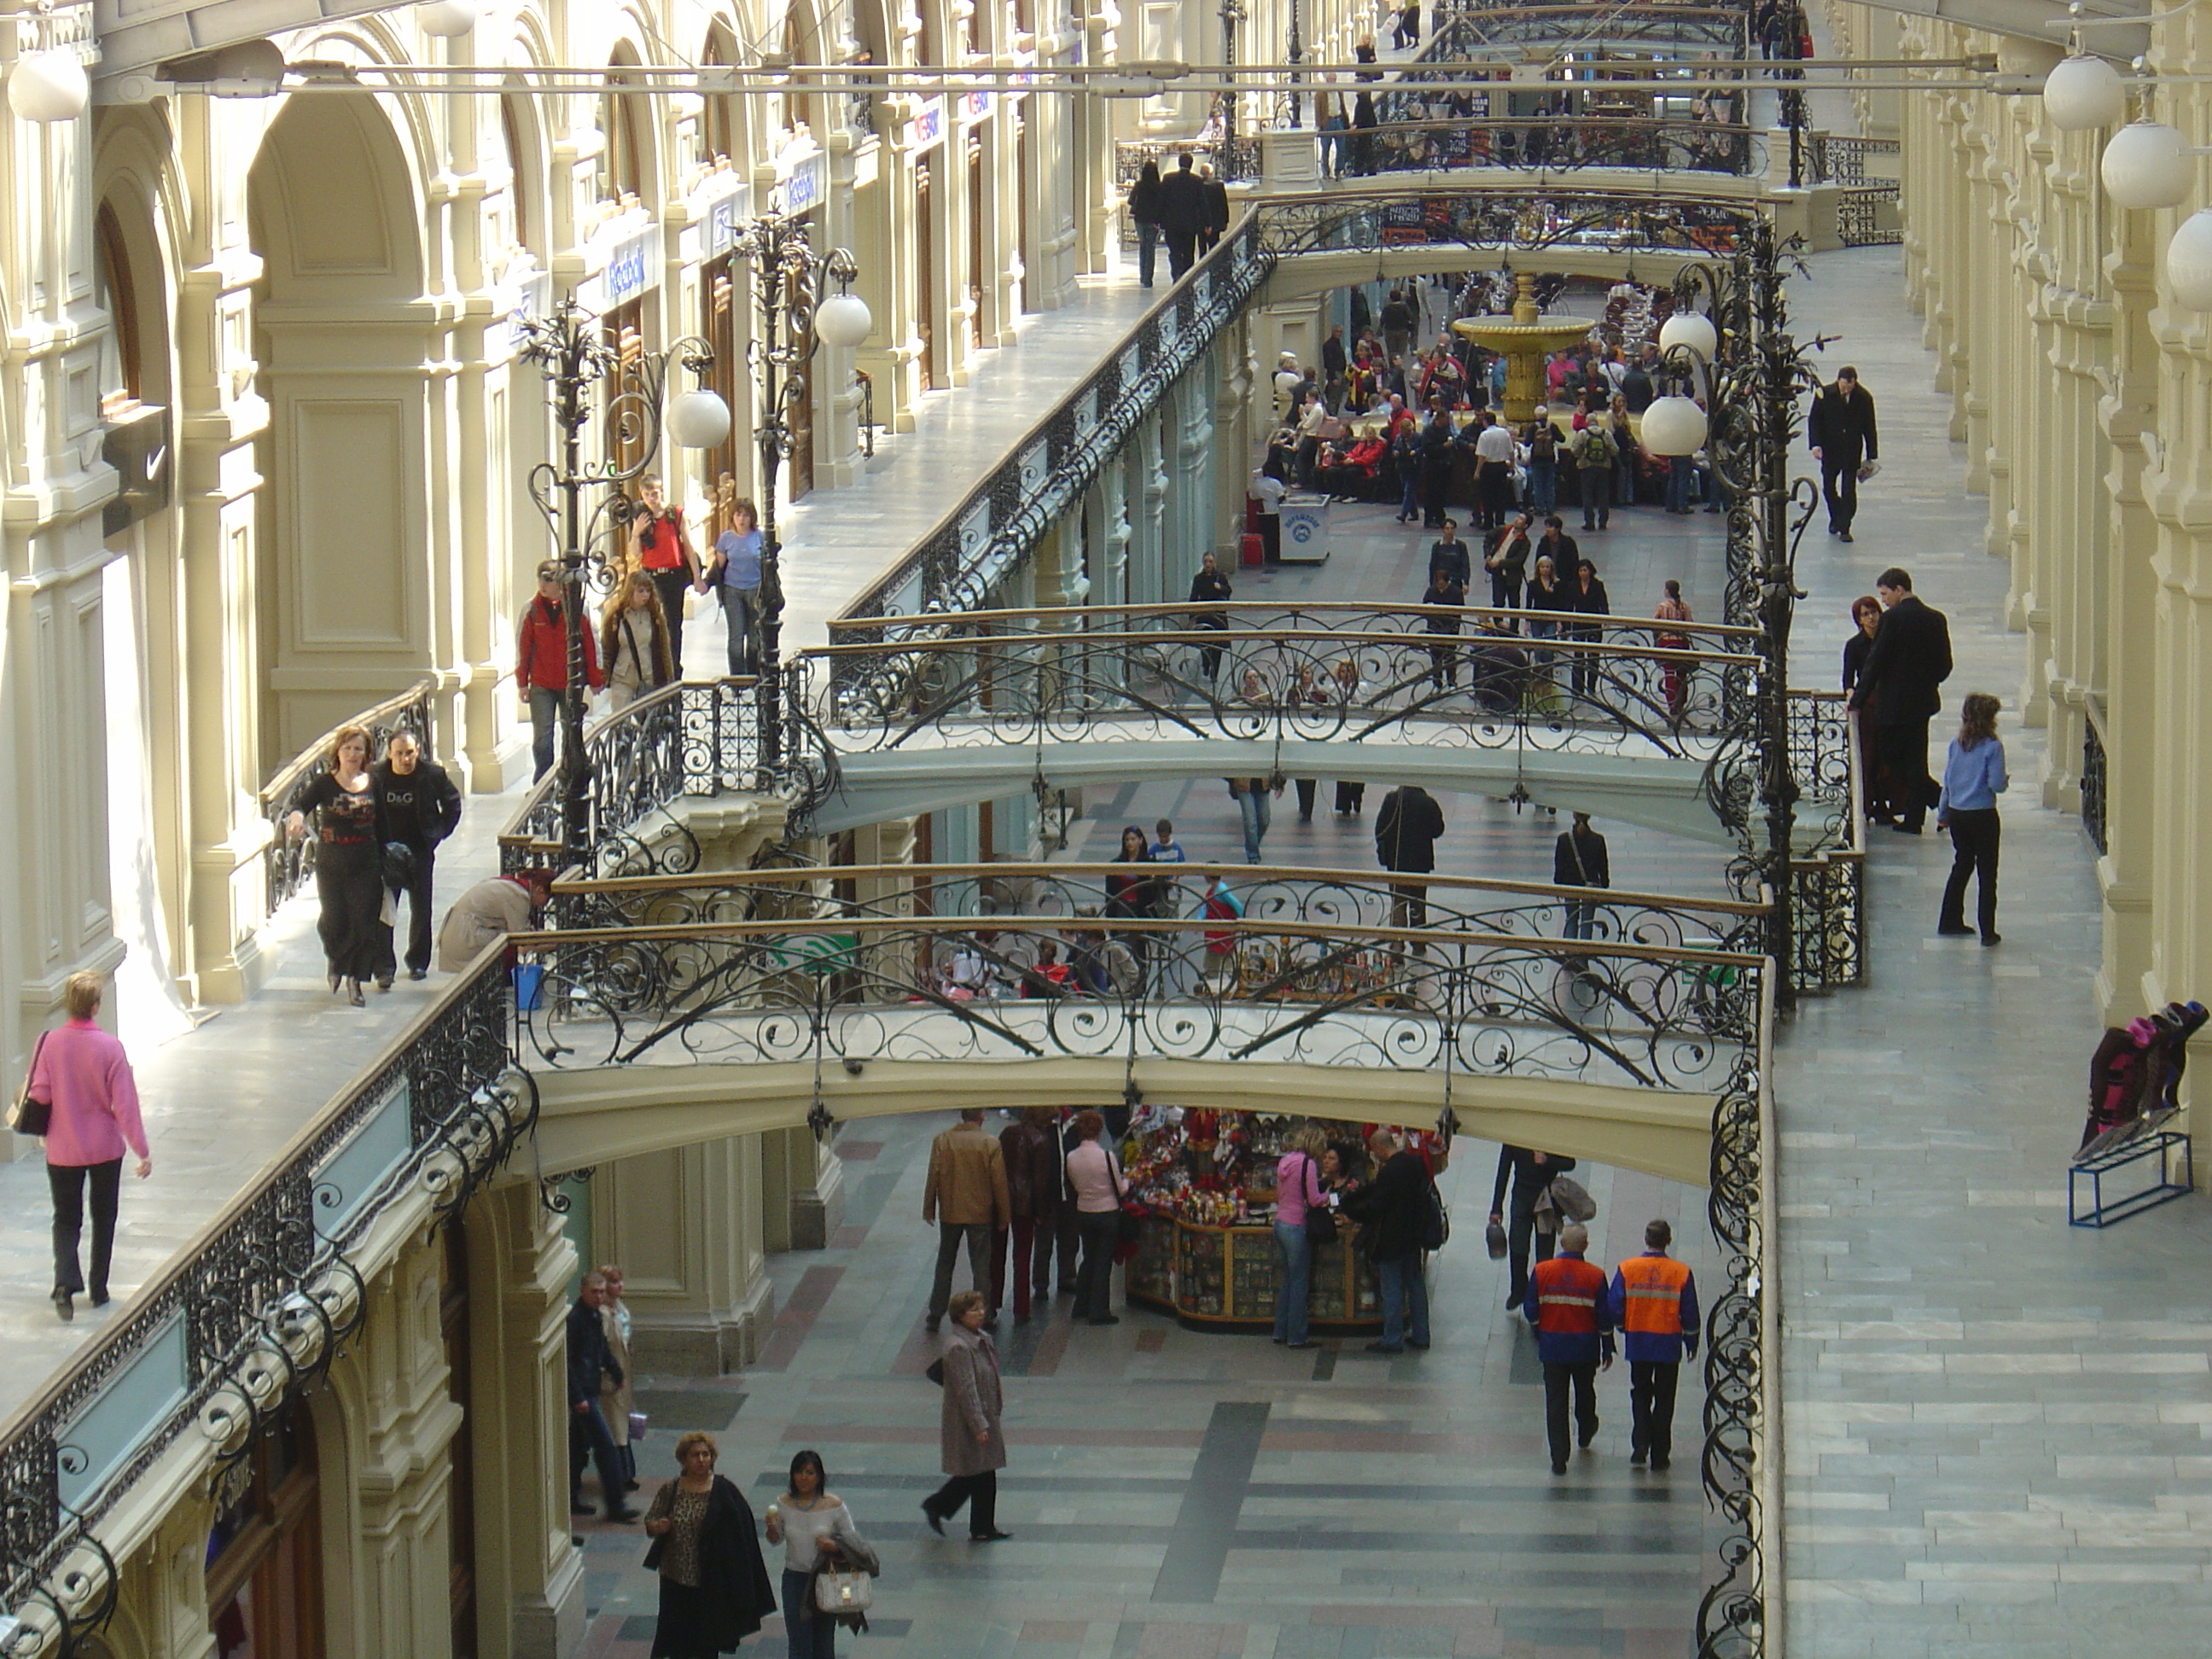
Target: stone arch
341 565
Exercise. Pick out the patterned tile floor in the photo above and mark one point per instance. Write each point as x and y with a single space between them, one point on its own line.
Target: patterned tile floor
1177 1493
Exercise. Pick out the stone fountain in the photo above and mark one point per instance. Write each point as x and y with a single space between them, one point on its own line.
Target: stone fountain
1524 340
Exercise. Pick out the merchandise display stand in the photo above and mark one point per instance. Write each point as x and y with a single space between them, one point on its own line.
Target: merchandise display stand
2087 1180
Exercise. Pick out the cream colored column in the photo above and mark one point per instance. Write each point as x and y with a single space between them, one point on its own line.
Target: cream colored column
530 1578
686 1226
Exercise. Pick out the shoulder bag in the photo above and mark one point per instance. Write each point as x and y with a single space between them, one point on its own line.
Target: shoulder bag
1572 1200
1321 1220
30 1116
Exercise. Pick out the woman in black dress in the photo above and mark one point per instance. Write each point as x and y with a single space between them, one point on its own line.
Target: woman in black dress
349 865
1866 612
1586 596
714 1589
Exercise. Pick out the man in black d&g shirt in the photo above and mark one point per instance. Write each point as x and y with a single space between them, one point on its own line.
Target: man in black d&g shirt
421 809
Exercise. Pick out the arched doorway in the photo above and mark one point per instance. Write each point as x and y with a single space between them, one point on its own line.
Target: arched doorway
341 574
265 1553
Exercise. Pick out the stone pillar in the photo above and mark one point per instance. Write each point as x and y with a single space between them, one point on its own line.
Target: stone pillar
686 1227
530 1578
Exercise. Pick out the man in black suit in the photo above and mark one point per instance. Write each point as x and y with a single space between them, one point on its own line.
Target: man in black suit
1406 830
1841 431
421 809
1182 214
589 1439
1910 657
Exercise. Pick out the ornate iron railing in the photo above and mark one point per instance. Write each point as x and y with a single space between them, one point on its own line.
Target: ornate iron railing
256 1307
1000 522
1070 892
1552 143
1232 158
2093 777
1866 215
289 863
694 738
1492 210
1463 35
1401 999
1485 688
1827 874
1841 158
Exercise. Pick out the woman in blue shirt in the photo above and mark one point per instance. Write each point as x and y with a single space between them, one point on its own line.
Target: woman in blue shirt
1974 778
736 577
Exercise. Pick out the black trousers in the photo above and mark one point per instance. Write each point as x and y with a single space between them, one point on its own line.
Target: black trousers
1651 1408
1209 656
591 1441
1521 1228
1307 787
1901 750
1182 251
1351 797
417 894
1974 852
1100 1231
1504 591
1557 1380
1069 1237
670 585
1839 488
981 1492
66 1181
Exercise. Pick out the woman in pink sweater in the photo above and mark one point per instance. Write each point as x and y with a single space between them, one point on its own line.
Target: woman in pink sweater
82 1071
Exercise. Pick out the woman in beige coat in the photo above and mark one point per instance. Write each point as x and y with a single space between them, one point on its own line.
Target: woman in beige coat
618 1400
971 1434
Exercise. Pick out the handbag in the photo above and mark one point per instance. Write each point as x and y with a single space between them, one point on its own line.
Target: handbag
935 1371
30 1116
1127 1228
1572 1200
638 1422
1493 1239
846 1591
1321 1220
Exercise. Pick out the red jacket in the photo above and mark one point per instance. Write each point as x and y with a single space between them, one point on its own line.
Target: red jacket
541 656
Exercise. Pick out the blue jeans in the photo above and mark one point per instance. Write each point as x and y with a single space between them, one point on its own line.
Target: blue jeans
1294 1255
1252 807
1543 485
741 613
544 721
1624 478
1403 1286
1679 471
1148 251
811 1637
1409 501
1582 919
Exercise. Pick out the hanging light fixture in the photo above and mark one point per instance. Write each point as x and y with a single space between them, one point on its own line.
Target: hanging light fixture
2082 93
699 419
1673 425
2145 165
49 85
843 319
446 18
2188 262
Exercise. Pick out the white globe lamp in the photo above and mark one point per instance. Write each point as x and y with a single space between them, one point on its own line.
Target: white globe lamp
49 85
2083 93
2188 262
1692 330
1674 425
842 319
698 419
2145 165
446 18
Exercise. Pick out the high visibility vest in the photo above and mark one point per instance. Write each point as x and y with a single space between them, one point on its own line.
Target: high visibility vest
1654 1301
1568 1292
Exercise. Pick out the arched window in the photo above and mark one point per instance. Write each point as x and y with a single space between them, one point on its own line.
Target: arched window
521 180
622 161
120 302
718 121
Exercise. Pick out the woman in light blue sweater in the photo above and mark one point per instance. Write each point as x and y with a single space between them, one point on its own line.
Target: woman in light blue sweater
1974 778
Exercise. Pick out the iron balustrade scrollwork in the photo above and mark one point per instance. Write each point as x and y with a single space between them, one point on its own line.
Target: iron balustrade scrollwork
1492 210
1867 215
289 863
1552 144
696 738
970 989
1463 35
1827 870
1483 689
1065 892
1232 158
1841 158
2094 782
257 1307
993 529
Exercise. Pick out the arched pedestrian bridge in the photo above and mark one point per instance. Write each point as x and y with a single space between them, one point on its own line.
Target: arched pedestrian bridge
740 1003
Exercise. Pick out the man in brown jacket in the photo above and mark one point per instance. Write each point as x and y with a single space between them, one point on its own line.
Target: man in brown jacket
966 1196
1031 1153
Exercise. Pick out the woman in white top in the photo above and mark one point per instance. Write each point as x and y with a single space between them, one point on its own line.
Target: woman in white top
1094 1175
804 1521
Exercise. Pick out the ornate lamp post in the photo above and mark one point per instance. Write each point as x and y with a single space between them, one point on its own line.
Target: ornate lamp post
575 356
793 318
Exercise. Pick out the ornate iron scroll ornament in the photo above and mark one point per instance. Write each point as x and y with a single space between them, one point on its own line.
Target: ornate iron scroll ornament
1732 1614
1497 211
577 358
969 988
263 1308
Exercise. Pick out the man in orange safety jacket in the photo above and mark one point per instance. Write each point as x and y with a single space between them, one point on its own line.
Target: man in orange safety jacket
1654 1300
1567 1304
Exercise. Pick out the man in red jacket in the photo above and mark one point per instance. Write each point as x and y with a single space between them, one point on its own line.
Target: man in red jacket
541 662
1567 1305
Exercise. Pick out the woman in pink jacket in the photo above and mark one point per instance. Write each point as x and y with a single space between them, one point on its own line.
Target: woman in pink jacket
82 1071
